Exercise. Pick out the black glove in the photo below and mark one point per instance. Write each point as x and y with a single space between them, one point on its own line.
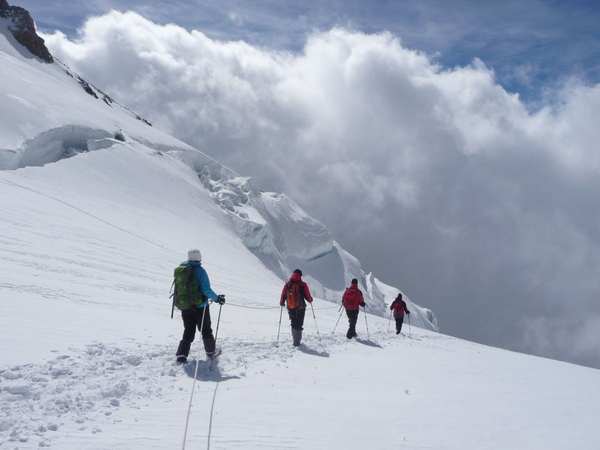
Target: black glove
220 299
364 305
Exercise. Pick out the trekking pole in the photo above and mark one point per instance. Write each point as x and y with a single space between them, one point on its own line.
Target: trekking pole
279 326
218 322
366 322
338 320
316 325
212 361
409 331
389 322
172 295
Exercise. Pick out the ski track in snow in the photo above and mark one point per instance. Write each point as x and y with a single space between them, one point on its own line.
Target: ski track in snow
77 389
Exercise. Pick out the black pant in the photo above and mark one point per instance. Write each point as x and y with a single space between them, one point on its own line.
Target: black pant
192 318
399 321
297 318
352 319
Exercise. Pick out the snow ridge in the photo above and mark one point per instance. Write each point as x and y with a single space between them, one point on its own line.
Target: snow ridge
283 236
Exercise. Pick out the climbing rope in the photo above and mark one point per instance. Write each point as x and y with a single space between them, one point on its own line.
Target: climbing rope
212 410
189 410
261 307
256 307
82 211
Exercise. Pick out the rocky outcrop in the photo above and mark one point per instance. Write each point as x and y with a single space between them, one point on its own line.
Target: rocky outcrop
19 28
22 27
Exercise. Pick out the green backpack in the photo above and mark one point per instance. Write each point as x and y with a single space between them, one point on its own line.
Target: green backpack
186 293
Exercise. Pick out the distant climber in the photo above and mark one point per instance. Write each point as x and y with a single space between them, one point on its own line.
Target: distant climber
352 300
399 308
296 293
191 295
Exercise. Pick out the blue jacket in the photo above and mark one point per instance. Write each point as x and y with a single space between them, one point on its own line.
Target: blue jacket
203 281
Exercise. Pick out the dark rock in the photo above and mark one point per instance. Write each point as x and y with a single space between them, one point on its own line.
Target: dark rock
22 28
86 87
147 122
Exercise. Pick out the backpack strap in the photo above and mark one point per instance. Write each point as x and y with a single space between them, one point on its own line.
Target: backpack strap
191 276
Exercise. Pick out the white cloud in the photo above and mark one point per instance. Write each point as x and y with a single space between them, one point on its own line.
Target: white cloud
438 178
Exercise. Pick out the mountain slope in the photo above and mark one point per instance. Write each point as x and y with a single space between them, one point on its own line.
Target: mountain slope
55 114
88 244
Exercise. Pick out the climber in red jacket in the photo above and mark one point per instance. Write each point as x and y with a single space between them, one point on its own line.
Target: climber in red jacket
352 300
296 293
399 308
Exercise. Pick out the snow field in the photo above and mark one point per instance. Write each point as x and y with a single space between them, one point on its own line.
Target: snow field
87 250
428 391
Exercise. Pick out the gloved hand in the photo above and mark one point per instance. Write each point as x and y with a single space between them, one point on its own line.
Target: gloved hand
309 301
220 299
364 305
407 312
282 303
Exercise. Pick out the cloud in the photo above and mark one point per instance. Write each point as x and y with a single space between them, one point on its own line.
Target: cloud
438 179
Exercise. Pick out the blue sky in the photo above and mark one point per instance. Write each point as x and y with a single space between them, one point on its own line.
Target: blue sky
531 45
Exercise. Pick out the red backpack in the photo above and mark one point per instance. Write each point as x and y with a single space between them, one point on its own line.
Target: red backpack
295 295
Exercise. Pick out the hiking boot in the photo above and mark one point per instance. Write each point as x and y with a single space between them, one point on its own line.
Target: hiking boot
209 344
296 337
181 359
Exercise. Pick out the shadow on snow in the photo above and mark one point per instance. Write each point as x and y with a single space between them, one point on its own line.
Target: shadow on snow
207 371
311 351
368 342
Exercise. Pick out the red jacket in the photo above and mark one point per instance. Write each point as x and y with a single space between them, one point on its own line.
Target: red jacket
353 298
295 292
399 307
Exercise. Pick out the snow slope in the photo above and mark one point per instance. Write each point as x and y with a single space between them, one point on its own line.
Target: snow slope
90 230
88 245
51 114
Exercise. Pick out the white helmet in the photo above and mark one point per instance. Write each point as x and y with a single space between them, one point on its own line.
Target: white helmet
194 255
